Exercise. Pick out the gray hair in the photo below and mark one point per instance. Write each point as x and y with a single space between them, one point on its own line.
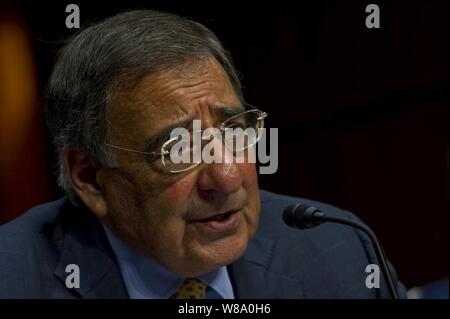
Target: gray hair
107 56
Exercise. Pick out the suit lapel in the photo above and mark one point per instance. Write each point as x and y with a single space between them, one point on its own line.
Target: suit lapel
85 245
252 275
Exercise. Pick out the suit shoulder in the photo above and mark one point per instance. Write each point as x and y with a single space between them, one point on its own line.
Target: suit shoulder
38 219
27 251
272 203
272 226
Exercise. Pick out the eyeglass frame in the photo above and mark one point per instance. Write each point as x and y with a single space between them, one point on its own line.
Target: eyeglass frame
261 116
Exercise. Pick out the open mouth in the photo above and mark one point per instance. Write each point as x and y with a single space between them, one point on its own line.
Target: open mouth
217 218
221 222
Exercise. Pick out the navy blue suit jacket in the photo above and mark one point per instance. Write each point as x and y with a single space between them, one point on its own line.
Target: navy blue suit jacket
328 261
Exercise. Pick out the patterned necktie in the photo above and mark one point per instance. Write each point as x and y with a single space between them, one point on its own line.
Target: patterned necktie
192 288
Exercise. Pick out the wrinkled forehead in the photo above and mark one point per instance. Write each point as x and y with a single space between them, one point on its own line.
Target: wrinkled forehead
201 90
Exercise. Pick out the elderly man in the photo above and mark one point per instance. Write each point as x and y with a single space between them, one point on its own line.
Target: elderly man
138 224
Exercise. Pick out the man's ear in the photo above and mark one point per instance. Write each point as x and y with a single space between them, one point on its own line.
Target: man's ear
82 168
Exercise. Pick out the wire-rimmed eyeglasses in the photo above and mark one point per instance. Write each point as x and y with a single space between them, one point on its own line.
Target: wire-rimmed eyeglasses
178 154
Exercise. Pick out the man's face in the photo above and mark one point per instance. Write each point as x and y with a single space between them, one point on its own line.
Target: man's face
191 222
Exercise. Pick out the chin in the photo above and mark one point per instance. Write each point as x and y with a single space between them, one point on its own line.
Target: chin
221 253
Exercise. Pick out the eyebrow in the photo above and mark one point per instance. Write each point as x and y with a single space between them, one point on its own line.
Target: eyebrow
223 112
228 111
164 134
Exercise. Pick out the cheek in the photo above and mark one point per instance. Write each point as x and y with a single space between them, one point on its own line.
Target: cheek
179 191
249 175
250 185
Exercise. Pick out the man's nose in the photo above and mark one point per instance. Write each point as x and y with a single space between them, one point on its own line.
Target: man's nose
223 178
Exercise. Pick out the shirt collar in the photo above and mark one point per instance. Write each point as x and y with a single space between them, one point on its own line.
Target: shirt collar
145 278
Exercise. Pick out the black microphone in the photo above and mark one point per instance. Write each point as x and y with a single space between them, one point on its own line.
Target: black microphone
304 216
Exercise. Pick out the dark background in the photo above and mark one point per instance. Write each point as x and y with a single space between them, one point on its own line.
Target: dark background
362 113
